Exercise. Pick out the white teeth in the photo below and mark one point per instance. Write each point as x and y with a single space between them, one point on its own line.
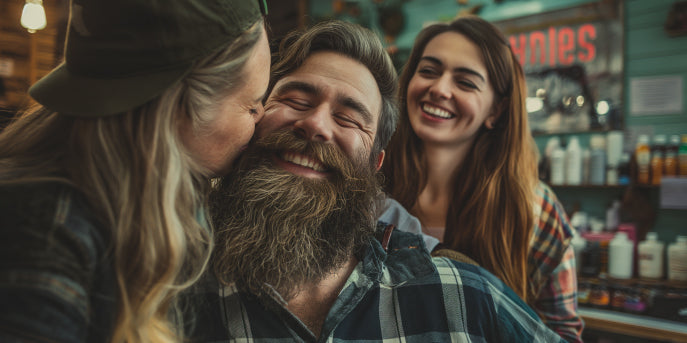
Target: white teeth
303 161
437 112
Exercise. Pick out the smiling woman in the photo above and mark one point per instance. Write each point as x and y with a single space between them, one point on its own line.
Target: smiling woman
463 162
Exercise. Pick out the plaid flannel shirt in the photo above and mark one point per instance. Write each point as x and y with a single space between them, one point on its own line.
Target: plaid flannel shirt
57 283
403 295
552 270
551 260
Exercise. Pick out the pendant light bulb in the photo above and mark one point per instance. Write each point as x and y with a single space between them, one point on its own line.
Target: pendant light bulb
33 15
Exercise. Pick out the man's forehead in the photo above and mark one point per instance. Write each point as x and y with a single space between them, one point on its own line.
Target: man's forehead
337 75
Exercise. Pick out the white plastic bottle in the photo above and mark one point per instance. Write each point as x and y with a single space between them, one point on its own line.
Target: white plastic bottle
573 162
557 166
620 251
677 259
650 256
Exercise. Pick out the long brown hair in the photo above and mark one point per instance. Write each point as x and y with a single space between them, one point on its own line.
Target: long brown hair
490 217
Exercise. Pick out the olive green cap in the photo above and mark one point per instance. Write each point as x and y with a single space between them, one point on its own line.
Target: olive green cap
120 54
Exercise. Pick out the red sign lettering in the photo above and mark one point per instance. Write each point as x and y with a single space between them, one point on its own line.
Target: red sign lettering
556 46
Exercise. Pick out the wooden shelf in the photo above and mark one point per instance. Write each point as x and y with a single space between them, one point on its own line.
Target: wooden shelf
650 187
634 325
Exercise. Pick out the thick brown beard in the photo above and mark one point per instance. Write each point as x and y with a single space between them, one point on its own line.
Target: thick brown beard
273 227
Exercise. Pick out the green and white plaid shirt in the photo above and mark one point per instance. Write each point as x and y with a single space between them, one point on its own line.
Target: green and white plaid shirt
398 295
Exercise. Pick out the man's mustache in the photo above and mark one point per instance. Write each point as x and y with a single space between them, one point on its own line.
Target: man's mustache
285 140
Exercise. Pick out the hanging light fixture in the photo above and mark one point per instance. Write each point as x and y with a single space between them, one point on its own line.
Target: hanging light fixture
33 15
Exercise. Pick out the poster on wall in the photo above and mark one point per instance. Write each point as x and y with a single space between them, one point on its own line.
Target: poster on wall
573 61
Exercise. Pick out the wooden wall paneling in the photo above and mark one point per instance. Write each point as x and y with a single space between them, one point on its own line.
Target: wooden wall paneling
33 55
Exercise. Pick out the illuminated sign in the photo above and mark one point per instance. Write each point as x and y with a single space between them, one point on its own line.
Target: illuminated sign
573 59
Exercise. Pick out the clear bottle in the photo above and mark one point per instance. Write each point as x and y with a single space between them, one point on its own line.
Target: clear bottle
670 159
597 160
643 157
620 251
586 156
573 162
682 155
650 256
677 259
657 155
557 166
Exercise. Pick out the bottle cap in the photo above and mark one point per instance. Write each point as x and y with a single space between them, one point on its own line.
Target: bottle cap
675 140
644 139
659 139
597 142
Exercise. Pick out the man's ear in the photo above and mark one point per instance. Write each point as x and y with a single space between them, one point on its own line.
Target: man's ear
380 160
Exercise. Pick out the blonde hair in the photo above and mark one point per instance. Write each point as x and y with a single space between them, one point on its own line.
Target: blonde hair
490 217
142 183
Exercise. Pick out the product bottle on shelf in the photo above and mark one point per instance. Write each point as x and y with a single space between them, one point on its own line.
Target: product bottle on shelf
613 216
545 162
573 162
620 251
677 259
643 157
586 157
682 155
670 160
557 167
614 150
624 169
650 255
657 155
578 244
597 160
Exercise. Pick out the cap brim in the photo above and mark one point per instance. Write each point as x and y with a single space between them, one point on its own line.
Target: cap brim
70 94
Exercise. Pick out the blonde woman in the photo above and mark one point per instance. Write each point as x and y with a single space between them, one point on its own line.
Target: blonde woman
464 163
103 184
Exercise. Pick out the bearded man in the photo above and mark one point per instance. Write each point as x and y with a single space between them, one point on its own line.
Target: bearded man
299 255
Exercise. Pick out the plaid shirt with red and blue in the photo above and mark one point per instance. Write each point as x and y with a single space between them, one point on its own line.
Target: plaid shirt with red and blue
552 269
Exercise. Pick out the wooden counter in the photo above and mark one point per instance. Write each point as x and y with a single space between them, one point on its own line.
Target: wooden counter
634 325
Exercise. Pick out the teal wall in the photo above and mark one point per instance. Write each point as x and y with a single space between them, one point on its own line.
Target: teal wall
649 51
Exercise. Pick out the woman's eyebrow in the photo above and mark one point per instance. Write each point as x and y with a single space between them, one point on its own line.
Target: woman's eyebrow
464 70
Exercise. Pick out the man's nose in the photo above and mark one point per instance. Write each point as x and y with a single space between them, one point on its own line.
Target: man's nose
316 125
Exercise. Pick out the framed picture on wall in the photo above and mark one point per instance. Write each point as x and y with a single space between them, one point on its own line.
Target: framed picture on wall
573 61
